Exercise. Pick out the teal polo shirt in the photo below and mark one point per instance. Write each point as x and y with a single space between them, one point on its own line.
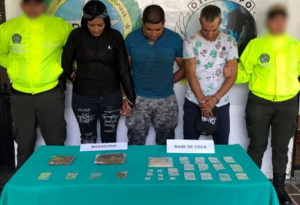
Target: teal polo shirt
152 65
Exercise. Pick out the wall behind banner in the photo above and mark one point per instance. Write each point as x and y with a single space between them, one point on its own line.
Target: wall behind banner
182 17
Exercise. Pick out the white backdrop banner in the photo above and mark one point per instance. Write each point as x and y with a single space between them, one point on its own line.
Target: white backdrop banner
242 19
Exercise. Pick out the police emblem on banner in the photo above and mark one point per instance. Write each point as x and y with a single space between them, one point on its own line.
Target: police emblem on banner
125 15
17 38
264 58
238 19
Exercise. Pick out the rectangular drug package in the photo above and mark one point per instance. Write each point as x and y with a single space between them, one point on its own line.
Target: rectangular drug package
189 176
184 160
173 172
61 160
113 158
236 168
214 160
122 174
160 161
44 176
229 159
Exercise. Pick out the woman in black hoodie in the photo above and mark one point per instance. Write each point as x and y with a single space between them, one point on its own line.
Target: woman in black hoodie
99 53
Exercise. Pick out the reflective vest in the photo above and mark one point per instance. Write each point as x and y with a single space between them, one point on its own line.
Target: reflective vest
271 66
31 51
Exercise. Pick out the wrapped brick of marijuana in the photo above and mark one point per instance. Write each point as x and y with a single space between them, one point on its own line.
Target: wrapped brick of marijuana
61 160
114 158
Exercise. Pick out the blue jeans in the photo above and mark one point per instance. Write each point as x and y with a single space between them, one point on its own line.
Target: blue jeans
191 112
88 110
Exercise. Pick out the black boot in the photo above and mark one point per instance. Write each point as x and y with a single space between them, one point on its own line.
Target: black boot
279 185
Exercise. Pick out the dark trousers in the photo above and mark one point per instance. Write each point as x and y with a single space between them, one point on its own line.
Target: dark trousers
88 110
29 111
191 112
262 114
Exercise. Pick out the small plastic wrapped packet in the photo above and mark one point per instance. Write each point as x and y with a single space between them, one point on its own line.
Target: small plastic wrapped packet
199 160
172 178
71 176
122 174
229 159
224 177
159 170
206 176
150 170
203 167
147 178
95 175
44 176
173 172
189 176
113 158
241 176
236 168
214 160
160 178
160 162
184 160
61 160
218 167
189 167
149 173
160 175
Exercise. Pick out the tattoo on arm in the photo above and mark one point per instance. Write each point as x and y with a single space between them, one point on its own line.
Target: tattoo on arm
188 62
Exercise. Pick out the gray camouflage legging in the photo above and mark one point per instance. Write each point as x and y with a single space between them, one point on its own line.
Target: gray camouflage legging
163 113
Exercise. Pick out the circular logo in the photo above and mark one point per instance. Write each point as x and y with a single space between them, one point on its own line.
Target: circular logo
125 15
264 58
17 38
238 21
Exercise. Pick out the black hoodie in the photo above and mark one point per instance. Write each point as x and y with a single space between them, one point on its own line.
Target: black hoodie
102 64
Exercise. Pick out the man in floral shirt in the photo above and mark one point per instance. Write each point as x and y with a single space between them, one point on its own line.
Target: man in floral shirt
205 54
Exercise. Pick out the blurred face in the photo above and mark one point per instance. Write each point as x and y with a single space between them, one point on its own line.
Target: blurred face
210 31
153 31
277 25
96 27
33 9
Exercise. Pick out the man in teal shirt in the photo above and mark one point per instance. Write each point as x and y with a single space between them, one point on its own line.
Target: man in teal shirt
152 51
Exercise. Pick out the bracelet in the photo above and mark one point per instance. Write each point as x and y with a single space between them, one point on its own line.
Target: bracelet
218 100
124 98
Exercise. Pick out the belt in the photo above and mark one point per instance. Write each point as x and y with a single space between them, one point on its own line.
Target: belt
14 91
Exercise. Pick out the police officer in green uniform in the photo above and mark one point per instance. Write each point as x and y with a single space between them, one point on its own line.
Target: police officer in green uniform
271 65
31 46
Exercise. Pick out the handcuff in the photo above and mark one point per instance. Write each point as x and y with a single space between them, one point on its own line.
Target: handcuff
130 103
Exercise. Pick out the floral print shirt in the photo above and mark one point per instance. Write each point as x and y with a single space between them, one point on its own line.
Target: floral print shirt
211 57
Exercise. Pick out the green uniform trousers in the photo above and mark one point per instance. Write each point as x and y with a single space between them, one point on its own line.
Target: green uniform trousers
30 111
261 115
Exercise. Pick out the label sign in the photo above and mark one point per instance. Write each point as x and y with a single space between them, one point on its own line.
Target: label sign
104 147
190 146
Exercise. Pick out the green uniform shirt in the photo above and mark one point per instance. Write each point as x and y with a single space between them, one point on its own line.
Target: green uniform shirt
31 51
271 66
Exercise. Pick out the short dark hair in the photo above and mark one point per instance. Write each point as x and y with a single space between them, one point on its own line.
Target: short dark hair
154 14
277 10
210 13
94 8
